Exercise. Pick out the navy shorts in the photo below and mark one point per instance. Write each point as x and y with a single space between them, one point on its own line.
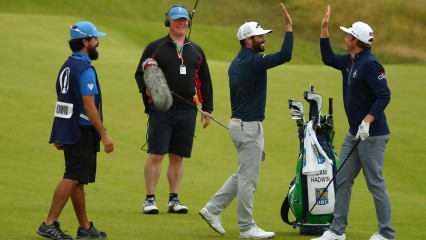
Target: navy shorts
80 158
171 131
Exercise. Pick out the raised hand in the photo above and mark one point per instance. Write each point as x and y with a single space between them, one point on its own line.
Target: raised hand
324 23
288 21
326 18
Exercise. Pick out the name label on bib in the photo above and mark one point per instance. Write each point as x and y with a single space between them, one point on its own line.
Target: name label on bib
63 110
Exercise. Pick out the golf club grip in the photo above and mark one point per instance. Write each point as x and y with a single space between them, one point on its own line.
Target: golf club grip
212 118
330 106
335 175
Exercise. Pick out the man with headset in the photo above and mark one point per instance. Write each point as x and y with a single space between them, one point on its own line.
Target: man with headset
187 73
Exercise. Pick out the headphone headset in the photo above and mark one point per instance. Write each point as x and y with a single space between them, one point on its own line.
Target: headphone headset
167 22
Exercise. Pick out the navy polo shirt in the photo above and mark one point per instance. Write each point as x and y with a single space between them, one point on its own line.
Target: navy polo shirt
365 88
248 79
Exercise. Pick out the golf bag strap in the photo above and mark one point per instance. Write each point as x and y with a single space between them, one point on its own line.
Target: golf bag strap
284 212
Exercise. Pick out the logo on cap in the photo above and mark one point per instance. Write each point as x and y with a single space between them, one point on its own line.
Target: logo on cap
247 34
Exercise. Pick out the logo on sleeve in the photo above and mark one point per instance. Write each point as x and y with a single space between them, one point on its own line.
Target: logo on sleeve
381 76
90 86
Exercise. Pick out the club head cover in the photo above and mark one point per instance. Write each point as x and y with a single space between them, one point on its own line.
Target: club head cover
156 83
315 104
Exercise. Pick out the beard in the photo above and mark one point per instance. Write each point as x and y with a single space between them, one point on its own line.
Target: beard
93 53
257 46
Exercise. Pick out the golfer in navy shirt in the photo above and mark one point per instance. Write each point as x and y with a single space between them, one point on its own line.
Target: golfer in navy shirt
247 83
365 96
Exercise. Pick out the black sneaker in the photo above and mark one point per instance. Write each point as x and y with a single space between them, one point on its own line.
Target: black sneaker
53 231
92 233
175 206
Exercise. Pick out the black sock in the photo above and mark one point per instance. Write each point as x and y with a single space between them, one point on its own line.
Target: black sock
150 196
173 196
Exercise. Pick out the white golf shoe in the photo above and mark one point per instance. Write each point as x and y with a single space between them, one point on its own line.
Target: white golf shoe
378 236
214 221
175 206
329 235
256 233
150 206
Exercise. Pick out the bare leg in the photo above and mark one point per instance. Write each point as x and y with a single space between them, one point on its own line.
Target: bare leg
175 172
60 198
152 172
79 203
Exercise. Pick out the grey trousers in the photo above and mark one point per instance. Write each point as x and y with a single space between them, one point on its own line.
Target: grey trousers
249 142
369 156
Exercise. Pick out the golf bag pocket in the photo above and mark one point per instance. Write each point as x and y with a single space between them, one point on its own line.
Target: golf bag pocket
316 191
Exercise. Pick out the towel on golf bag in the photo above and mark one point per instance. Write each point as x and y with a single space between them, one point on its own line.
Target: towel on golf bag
314 159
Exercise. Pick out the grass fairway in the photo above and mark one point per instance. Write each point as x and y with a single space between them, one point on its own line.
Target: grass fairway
33 51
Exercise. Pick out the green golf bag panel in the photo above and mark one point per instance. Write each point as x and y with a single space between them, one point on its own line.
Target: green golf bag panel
304 190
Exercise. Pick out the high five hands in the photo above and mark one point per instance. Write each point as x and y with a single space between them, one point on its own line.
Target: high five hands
324 23
288 21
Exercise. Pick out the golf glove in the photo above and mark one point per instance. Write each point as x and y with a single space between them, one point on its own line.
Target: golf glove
363 130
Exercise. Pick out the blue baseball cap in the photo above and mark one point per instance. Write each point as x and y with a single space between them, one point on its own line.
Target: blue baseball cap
84 29
178 12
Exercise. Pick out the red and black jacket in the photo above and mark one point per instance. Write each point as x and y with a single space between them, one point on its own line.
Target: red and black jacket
196 81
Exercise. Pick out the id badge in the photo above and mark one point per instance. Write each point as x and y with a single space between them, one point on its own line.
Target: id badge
182 69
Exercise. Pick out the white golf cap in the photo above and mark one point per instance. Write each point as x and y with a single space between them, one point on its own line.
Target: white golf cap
360 30
249 29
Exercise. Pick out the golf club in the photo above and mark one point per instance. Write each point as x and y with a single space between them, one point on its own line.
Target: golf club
201 111
296 111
